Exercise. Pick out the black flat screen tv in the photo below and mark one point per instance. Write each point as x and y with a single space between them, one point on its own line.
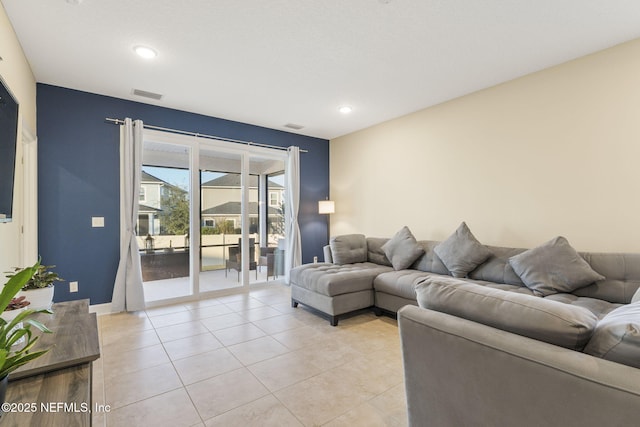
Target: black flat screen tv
8 145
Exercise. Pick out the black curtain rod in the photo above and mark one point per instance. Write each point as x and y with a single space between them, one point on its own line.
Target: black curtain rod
202 135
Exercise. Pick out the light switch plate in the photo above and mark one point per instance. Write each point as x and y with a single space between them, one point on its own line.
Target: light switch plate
97 221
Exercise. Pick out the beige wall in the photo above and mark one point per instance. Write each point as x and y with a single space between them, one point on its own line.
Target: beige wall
552 153
16 73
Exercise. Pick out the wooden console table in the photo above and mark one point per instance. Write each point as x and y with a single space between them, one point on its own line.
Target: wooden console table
55 389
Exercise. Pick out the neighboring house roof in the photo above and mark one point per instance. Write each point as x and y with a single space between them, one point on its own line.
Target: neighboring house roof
233 180
147 177
148 209
233 209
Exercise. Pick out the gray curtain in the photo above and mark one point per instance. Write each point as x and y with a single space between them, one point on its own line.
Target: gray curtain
293 255
128 293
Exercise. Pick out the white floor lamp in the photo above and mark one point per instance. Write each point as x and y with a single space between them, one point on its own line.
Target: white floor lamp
327 207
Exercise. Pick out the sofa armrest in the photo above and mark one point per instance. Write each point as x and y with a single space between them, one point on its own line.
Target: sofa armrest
459 372
327 254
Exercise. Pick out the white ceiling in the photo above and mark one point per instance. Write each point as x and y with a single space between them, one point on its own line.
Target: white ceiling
273 62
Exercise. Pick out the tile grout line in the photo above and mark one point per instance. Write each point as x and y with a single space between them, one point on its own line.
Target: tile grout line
155 395
246 367
242 366
240 308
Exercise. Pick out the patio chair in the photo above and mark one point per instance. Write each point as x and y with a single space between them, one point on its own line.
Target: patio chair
267 258
234 261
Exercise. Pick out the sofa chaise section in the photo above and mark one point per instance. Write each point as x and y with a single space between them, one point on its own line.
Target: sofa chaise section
335 289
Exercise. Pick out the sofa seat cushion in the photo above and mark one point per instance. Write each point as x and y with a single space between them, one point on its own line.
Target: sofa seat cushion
400 283
534 317
502 286
598 307
332 279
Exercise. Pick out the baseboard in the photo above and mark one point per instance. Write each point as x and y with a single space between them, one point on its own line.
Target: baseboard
100 309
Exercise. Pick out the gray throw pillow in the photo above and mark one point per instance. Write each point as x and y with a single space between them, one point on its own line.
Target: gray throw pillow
553 267
617 336
553 322
636 296
402 249
348 249
462 252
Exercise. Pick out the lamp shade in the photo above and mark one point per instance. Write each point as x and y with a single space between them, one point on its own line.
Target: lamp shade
326 207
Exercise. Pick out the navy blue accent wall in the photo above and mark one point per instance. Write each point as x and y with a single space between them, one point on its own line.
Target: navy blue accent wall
79 177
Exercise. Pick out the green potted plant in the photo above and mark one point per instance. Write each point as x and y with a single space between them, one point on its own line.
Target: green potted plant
39 288
13 327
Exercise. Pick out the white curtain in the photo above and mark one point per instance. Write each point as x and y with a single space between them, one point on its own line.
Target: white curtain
128 293
293 255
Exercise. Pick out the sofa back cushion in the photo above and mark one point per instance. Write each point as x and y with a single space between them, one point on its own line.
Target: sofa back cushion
549 321
375 253
621 272
496 268
430 262
348 248
617 336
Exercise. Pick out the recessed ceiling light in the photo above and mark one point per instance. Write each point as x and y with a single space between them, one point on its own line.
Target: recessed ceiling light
145 52
75 2
345 109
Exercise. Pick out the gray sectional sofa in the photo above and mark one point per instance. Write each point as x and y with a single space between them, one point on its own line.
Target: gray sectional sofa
357 274
527 337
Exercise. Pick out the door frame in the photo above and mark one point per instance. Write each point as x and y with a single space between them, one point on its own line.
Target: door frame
194 144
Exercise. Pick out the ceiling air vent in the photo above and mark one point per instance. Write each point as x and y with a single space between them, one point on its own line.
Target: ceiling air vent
293 126
146 94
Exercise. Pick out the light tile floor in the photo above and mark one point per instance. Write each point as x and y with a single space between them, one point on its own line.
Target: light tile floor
248 360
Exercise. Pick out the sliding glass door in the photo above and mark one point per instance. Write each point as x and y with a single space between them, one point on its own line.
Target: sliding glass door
163 221
221 225
225 234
